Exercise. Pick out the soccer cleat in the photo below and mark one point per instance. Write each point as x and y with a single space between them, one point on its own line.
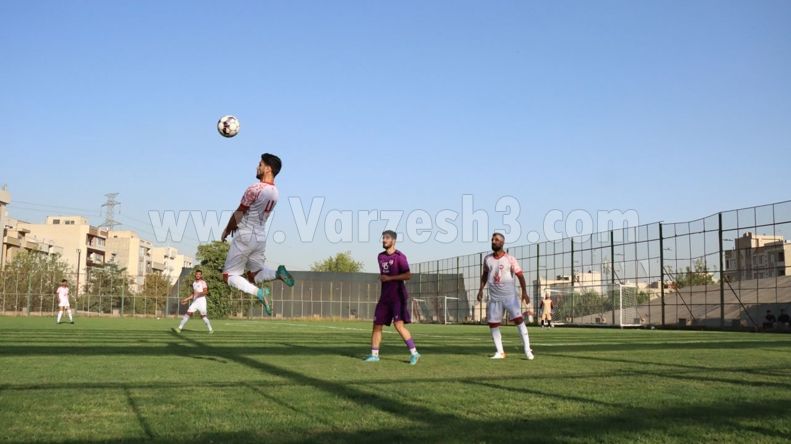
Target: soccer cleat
71 322
498 355
530 356
285 276
176 330
211 332
371 358
263 297
414 358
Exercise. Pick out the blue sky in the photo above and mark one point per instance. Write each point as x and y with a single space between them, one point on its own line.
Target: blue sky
674 109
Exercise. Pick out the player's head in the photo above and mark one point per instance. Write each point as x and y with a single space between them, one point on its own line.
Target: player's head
64 282
498 241
198 275
388 239
269 164
546 295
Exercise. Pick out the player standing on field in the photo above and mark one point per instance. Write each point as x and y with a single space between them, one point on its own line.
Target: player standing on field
248 228
393 305
499 270
63 301
198 297
546 310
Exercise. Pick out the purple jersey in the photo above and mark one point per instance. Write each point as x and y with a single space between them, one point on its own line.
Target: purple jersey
391 265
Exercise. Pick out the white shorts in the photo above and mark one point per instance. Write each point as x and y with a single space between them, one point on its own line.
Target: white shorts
198 305
245 254
63 302
496 309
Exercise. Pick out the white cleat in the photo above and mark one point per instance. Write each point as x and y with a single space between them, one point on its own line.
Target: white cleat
530 356
498 355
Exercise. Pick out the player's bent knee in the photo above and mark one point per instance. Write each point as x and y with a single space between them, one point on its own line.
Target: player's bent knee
494 324
519 320
225 277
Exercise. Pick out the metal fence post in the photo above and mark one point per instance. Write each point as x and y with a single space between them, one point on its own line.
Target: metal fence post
722 276
612 274
662 272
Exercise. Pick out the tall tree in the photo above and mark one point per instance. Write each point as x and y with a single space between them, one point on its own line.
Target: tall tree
30 279
106 288
699 276
342 262
221 297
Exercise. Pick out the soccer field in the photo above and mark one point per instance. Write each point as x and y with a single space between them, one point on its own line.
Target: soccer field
293 381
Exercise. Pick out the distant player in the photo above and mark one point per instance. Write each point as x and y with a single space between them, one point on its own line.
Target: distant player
248 227
393 305
63 301
198 297
546 311
499 271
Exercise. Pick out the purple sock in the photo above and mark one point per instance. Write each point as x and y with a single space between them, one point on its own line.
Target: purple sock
410 344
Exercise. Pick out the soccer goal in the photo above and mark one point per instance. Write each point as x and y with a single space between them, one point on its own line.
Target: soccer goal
601 305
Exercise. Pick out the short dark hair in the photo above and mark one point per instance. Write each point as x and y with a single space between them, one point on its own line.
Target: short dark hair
199 271
498 234
63 280
390 233
273 162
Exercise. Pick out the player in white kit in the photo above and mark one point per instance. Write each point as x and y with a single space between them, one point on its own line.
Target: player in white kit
198 297
248 228
499 271
63 301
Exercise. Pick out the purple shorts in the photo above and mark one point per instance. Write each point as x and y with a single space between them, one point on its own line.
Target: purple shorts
391 310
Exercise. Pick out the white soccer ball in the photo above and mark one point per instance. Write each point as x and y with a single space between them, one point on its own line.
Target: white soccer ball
228 126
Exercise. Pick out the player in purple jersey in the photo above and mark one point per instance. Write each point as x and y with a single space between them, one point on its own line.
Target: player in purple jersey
393 303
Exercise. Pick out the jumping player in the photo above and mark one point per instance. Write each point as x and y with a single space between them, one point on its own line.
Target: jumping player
499 270
63 301
393 303
248 228
198 297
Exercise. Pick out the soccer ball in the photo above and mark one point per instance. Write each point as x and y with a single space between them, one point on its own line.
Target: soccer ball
228 126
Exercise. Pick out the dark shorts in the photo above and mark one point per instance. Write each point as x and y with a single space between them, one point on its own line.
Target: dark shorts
391 310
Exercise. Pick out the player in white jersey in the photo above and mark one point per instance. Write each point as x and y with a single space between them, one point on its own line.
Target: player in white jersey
200 289
248 227
500 270
63 301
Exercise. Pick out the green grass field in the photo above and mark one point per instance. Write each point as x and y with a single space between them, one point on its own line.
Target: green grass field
294 381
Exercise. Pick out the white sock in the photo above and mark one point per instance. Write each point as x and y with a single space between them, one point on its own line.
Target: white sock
266 274
184 321
71 319
498 339
374 352
206 321
243 284
525 338
60 315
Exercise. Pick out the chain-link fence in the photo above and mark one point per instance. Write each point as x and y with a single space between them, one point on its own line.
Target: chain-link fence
726 270
99 293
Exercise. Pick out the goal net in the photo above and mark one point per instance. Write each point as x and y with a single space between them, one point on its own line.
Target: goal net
601 305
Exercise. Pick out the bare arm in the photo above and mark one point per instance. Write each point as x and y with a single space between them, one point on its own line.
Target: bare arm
484 278
233 222
397 277
523 284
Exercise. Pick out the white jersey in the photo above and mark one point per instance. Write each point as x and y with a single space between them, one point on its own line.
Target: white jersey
198 287
502 276
63 296
260 198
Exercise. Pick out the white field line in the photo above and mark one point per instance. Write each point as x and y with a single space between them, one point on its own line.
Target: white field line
486 339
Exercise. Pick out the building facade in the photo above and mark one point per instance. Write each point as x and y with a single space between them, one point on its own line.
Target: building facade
757 256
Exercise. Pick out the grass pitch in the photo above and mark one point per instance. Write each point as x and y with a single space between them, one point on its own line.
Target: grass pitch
131 380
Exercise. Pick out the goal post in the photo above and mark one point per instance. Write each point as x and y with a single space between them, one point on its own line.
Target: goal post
595 305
